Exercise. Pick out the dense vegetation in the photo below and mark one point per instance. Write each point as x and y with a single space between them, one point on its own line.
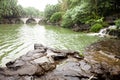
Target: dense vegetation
10 9
32 12
66 13
79 12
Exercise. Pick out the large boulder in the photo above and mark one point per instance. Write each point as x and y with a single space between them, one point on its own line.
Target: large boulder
104 57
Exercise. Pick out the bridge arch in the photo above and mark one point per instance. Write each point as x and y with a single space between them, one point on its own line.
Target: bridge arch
26 20
30 20
18 21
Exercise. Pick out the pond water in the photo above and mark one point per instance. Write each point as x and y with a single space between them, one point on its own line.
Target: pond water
16 40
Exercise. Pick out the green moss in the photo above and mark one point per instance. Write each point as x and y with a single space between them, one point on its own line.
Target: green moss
117 23
96 27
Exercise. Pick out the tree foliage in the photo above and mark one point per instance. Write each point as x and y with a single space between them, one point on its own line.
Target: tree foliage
87 11
9 8
117 23
76 15
50 10
68 4
32 12
75 11
56 17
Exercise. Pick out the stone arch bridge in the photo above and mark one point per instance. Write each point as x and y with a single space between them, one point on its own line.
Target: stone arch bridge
24 20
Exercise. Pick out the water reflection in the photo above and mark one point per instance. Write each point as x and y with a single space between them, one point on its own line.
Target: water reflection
16 40
32 34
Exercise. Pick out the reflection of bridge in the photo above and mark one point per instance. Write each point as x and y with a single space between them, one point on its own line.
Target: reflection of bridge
26 19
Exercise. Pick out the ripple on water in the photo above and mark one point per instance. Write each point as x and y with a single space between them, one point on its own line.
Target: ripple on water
16 40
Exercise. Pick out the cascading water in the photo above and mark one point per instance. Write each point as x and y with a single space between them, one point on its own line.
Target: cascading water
112 27
105 32
102 32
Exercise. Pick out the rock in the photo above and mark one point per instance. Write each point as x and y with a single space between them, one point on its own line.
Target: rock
81 27
59 57
38 62
110 32
110 20
100 62
4 21
104 58
10 21
114 32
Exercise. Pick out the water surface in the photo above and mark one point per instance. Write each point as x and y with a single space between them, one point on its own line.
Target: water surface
16 40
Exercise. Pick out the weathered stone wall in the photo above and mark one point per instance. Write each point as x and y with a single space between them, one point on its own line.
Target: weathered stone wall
10 21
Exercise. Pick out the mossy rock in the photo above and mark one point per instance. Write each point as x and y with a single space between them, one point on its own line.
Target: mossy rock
96 27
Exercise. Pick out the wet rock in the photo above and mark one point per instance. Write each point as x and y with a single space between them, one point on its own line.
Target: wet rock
114 32
110 33
110 46
38 62
100 62
104 58
69 70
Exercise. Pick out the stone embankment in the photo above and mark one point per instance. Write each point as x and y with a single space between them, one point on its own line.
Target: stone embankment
101 61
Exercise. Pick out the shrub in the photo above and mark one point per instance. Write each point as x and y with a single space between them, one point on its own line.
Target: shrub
76 15
96 27
117 23
105 24
50 10
95 20
56 17
67 23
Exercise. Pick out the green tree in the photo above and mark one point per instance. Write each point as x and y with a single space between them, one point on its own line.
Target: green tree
117 23
56 17
31 12
68 4
9 8
76 15
50 10
104 7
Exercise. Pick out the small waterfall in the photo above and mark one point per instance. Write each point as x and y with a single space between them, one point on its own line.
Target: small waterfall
112 27
109 32
24 20
106 31
102 32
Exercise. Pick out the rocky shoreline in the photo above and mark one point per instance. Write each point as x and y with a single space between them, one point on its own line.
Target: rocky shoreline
101 61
